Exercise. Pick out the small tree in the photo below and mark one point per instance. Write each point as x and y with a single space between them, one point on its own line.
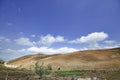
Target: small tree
2 62
49 67
40 70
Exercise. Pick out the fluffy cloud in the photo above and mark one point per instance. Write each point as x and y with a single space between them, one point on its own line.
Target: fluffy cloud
91 39
49 39
4 39
24 41
50 50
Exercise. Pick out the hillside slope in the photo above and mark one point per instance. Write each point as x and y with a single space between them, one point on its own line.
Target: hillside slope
80 60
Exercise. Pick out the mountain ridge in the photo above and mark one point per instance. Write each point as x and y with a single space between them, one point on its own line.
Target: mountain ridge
79 60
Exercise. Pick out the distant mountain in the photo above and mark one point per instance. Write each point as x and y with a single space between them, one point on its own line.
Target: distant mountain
80 60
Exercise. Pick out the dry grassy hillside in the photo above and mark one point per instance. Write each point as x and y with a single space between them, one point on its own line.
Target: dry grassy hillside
89 59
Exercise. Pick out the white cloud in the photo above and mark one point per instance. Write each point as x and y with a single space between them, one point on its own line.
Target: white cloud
50 50
4 39
91 38
24 41
49 39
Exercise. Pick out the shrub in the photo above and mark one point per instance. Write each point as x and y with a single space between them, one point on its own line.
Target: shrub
40 70
2 62
49 67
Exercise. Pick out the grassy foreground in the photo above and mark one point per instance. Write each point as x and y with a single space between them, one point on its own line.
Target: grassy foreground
13 74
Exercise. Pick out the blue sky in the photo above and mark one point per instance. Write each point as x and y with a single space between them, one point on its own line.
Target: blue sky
57 26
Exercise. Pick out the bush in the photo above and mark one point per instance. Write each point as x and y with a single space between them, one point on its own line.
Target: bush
2 62
49 67
40 70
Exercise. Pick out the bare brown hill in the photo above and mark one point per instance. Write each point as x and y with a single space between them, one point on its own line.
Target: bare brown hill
80 60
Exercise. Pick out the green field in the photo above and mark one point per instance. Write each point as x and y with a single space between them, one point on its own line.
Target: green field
69 73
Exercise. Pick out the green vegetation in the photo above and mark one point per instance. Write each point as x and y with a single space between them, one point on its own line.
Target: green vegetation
41 70
68 73
1 61
49 67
